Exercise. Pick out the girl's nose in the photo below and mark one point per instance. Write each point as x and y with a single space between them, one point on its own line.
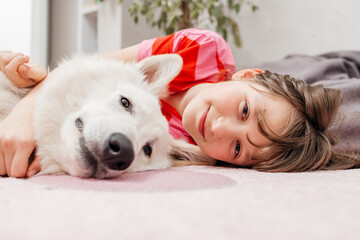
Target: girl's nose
222 127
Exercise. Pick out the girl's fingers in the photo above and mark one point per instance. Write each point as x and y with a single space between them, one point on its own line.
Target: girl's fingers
33 71
20 161
3 58
6 59
3 53
16 157
8 155
12 69
17 68
2 164
34 167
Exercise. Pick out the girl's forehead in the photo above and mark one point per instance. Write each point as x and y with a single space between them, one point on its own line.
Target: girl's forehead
275 109
276 112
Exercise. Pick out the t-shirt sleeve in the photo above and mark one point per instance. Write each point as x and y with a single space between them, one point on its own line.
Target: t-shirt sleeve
206 56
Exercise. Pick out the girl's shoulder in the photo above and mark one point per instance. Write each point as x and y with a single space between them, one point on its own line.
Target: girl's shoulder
188 40
206 56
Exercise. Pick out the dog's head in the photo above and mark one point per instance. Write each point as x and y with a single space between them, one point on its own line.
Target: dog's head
98 118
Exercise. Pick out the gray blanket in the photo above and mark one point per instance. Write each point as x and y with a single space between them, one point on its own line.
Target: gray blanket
340 70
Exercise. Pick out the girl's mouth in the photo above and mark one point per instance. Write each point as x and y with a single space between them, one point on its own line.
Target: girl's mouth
202 120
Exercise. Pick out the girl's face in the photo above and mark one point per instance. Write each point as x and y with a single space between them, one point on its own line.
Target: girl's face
223 117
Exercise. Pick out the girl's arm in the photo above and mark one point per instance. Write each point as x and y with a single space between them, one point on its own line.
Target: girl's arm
129 54
16 130
17 137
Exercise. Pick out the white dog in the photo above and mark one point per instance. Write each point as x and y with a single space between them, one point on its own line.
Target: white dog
97 117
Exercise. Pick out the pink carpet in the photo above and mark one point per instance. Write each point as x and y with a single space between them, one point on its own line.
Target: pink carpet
161 180
193 202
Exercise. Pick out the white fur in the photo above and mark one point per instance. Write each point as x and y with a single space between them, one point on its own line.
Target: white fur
90 88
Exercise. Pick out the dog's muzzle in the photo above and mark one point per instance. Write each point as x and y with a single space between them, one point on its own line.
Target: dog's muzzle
118 153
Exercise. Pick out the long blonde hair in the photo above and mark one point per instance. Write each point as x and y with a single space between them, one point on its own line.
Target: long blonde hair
305 144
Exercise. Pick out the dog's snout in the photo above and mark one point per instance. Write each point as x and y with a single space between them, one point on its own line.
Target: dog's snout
118 153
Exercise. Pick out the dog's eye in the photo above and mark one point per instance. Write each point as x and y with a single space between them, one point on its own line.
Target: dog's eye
147 150
125 102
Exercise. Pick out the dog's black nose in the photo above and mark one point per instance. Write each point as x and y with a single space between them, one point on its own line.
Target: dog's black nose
118 153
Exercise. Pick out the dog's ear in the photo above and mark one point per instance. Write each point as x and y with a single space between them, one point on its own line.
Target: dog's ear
159 70
185 154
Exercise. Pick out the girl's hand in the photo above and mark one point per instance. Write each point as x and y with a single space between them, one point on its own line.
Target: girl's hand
34 167
17 139
17 68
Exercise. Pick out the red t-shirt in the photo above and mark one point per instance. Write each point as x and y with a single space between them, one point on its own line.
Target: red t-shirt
206 58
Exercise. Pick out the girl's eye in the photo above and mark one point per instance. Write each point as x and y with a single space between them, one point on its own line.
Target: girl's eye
125 102
237 148
245 111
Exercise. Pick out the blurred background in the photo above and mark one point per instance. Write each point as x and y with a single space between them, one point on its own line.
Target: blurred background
48 30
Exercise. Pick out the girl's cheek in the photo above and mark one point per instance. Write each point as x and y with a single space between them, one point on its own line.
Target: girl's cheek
214 150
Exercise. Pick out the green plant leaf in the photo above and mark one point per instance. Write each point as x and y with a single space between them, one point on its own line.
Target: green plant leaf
173 15
237 8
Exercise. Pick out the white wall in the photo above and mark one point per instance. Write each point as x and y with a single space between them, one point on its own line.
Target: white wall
282 27
63 29
135 33
276 29
15 20
71 20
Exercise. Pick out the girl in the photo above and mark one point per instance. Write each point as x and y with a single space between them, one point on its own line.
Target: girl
258 119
